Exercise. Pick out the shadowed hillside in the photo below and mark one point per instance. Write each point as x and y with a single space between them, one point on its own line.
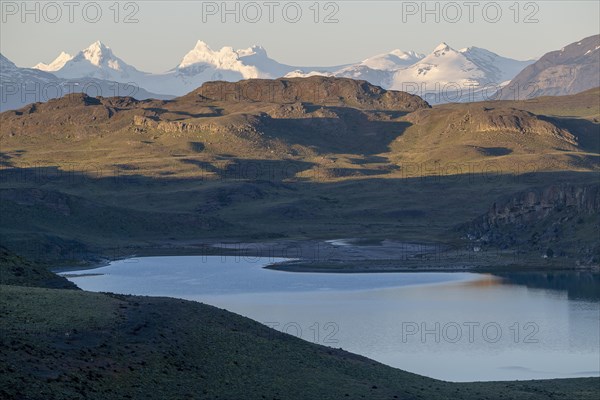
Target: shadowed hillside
66 344
313 158
556 221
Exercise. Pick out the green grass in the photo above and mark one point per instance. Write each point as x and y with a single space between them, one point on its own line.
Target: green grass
15 270
77 184
116 219
62 344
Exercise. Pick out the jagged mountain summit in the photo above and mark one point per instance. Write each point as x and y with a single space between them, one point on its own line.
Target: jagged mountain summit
22 86
401 70
96 61
55 65
472 64
444 75
448 75
252 62
201 64
393 60
570 70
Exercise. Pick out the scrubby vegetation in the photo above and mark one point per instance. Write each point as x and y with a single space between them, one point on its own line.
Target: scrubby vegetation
70 344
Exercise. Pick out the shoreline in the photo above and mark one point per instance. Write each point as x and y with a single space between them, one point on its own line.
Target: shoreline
133 322
466 280
351 256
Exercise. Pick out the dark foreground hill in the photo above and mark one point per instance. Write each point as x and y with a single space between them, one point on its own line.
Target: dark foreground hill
69 344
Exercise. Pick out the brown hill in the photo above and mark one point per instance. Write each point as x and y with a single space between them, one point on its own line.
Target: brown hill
496 134
311 120
134 172
318 90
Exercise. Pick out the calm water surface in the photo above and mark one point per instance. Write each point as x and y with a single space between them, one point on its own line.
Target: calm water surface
451 326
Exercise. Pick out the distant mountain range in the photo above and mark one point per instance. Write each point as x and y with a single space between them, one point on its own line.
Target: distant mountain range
443 71
572 69
445 75
22 86
199 65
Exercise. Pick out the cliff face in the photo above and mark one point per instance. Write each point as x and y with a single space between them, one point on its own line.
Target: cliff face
533 205
558 220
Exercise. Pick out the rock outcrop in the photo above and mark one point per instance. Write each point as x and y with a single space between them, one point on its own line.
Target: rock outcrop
557 220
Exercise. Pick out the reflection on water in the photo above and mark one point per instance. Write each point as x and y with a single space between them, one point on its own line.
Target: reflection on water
450 326
577 285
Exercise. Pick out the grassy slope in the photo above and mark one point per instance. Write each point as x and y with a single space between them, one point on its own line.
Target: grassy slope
584 105
88 183
149 212
448 134
70 344
15 270
63 344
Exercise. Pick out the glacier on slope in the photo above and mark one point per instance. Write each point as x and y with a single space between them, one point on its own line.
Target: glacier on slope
442 76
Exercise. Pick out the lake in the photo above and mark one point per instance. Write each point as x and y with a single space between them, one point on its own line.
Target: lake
450 326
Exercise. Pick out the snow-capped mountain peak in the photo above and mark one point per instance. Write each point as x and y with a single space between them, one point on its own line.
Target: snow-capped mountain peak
253 50
96 53
95 61
201 47
393 60
397 69
407 55
30 80
228 63
471 48
441 49
477 51
202 53
445 69
55 65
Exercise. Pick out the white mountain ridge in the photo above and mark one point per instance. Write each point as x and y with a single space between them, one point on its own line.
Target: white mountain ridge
400 70
22 86
444 75
469 71
199 65
55 65
96 61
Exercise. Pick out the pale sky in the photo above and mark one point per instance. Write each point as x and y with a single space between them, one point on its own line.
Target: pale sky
166 30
